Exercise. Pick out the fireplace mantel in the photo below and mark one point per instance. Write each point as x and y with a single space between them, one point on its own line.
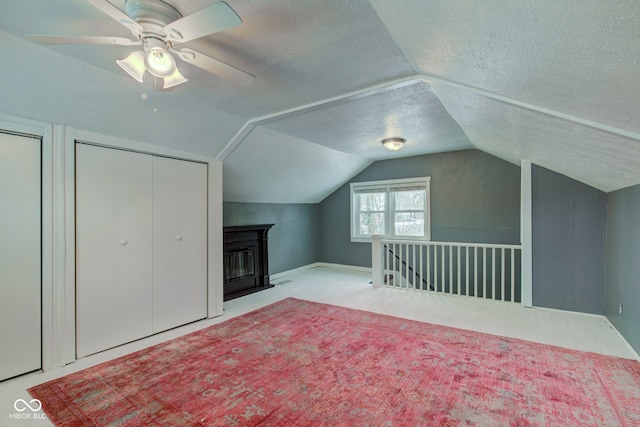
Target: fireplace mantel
246 259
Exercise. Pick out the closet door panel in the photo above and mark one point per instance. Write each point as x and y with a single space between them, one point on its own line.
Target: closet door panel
113 247
20 248
180 242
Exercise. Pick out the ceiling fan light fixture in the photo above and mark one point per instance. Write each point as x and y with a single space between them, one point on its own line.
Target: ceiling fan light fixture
174 80
133 65
158 61
393 144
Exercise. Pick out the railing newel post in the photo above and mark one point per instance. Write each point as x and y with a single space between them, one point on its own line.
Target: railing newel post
377 260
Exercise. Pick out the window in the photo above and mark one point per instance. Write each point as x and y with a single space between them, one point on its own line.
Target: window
396 208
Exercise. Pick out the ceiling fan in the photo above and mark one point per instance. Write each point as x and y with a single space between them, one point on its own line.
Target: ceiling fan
159 28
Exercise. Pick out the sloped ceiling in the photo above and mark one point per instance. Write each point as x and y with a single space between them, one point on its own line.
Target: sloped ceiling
556 83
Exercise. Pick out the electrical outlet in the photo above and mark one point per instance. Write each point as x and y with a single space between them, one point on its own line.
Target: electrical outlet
620 309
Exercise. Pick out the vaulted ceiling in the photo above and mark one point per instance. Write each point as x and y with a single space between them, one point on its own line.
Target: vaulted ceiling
553 82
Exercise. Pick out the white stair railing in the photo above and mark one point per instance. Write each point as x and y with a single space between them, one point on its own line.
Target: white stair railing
479 270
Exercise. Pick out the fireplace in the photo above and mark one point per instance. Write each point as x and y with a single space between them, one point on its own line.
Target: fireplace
246 259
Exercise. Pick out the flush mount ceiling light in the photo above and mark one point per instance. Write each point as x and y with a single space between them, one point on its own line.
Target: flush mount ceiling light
393 144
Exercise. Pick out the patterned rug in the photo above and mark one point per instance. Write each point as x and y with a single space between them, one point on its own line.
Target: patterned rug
299 363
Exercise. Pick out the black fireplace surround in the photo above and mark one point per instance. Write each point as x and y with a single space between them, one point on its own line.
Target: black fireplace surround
246 259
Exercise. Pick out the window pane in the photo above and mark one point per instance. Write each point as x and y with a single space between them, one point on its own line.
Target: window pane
409 224
371 223
372 201
410 200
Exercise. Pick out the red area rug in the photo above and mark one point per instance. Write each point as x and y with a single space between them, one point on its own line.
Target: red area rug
298 363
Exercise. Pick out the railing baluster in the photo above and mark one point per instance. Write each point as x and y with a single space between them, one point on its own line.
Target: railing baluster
475 272
403 275
392 267
458 264
443 273
397 276
395 262
400 247
406 265
451 269
435 267
421 271
429 267
502 284
415 270
466 268
388 266
493 273
484 272
400 265
513 275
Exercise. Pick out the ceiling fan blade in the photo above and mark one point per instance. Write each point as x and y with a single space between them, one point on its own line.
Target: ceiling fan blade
106 40
117 14
212 19
133 65
214 66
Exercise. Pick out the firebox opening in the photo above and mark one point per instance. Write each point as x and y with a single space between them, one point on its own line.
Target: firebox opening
239 263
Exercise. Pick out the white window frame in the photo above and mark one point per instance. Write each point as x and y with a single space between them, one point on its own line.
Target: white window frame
389 186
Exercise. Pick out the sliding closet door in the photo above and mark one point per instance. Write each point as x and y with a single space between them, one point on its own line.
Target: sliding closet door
20 248
179 242
113 247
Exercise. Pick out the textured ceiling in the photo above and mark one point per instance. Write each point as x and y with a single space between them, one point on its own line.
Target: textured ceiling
580 57
292 168
357 125
604 160
554 82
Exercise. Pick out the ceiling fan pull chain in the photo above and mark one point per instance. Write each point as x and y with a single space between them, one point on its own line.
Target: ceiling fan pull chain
155 94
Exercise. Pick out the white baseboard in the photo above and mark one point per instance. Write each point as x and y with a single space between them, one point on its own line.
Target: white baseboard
559 310
623 338
277 276
344 267
593 315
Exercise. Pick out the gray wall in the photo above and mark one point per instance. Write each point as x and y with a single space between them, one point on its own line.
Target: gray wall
623 263
475 197
293 238
569 221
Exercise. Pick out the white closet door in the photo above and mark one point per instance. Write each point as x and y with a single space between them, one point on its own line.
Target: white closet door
20 248
113 247
180 242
